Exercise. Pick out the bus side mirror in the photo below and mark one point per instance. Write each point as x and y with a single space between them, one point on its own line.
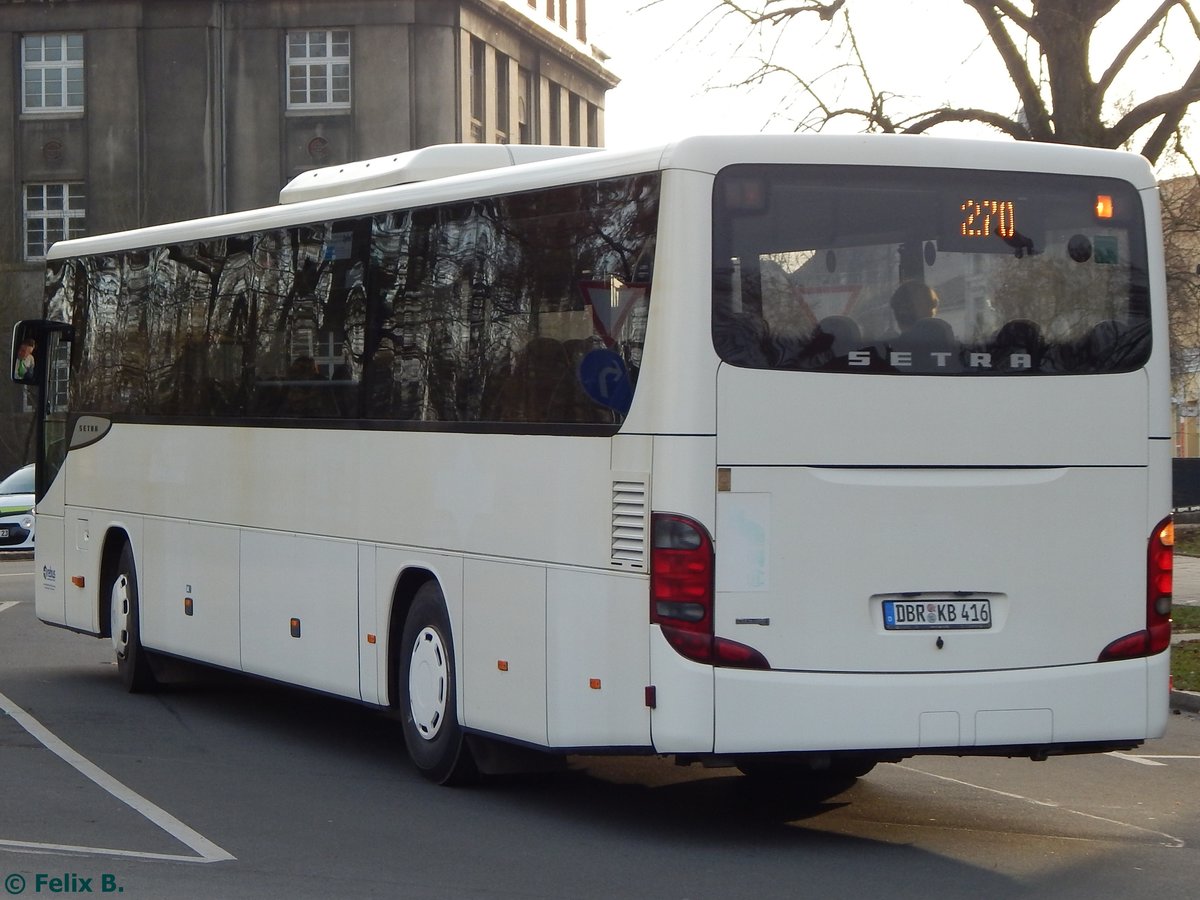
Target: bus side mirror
29 337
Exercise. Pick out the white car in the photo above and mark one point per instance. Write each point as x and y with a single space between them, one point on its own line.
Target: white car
16 510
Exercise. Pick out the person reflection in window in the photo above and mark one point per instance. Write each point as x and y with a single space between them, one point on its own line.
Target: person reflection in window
911 302
23 369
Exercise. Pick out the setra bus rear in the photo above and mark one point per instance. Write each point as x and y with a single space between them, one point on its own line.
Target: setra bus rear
942 496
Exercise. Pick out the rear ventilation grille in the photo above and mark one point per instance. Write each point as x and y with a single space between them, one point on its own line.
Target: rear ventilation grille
629 524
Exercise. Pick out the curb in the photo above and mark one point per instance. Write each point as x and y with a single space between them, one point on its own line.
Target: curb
1188 701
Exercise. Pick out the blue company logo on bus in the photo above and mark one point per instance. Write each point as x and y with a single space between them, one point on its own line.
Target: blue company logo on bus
49 578
941 358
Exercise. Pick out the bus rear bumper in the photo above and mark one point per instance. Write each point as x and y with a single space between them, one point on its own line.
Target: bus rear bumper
1100 704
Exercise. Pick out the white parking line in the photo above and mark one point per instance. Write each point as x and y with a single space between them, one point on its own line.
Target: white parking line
33 847
1140 760
209 852
1171 841
7 603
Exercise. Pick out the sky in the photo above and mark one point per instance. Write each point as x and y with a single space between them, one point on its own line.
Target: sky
671 74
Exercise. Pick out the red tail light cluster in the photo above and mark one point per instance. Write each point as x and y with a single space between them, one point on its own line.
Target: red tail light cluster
682 592
1160 565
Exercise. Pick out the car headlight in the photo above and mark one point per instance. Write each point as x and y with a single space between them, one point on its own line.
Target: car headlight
27 521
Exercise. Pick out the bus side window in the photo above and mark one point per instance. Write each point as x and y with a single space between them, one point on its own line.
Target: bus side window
529 394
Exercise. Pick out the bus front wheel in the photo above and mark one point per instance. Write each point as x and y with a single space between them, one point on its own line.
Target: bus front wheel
133 662
428 692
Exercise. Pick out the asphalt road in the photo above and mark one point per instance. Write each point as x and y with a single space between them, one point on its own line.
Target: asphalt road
225 787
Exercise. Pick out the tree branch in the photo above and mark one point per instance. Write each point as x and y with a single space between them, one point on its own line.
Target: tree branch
1122 57
1024 22
1040 127
826 11
926 120
1172 107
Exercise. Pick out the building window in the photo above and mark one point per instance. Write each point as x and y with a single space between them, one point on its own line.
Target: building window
525 106
52 73
318 69
503 114
555 114
53 212
593 125
574 135
478 86
581 21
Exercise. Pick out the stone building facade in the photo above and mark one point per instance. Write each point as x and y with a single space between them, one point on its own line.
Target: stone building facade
127 113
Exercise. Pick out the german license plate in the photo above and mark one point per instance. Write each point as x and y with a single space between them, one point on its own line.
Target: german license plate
916 615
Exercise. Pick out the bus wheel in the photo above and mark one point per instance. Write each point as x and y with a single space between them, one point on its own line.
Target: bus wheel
133 663
838 771
429 690
851 767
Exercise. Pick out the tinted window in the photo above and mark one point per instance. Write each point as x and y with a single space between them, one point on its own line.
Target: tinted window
911 271
486 311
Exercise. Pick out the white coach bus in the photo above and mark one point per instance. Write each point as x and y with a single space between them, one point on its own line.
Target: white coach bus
796 453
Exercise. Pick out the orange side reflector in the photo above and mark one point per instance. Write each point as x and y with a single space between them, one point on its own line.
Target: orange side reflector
370 638
502 665
77 580
1104 206
594 684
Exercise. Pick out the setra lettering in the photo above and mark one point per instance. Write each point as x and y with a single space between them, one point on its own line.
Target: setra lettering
907 359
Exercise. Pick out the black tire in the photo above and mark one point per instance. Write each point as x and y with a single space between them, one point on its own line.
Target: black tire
133 662
428 692
851 767
837 771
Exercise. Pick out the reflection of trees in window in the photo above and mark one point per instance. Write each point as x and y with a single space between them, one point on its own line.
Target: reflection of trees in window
427 314
1065 297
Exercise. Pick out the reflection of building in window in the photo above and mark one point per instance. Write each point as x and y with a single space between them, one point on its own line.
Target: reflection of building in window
329 354
52 73
469 312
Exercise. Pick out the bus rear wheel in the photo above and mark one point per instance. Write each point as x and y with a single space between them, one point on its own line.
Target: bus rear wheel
133 662
428 692
806 773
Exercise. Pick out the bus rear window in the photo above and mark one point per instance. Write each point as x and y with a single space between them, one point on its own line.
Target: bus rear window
867 269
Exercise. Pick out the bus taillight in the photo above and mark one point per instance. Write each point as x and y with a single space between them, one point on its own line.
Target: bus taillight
681 594
1160 568
1160 582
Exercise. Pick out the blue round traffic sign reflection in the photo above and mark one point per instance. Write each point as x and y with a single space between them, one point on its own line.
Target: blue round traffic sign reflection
605 379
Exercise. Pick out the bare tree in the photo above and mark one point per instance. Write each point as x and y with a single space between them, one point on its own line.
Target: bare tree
1181 243
1045 47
